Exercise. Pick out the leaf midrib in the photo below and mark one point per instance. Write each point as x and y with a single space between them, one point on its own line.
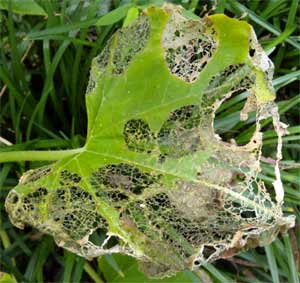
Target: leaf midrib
235 195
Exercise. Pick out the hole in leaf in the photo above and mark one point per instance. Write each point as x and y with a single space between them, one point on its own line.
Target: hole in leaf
113 241
227 122
122 176
197 262
67 177
98 236
13 197
251 52
178 135
138 136
208 251
248 214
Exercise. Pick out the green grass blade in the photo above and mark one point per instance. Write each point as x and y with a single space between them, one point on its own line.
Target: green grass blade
78 270
293 276
260 21
272 263
114 16
92 273
60 29
69 261
220 276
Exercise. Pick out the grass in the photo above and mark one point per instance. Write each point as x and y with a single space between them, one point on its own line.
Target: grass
44 69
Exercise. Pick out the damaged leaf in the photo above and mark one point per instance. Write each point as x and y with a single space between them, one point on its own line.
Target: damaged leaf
153 174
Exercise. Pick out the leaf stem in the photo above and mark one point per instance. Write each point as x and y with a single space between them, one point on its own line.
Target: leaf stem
36 155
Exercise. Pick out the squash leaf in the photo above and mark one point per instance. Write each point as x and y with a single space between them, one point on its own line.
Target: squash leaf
153 175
